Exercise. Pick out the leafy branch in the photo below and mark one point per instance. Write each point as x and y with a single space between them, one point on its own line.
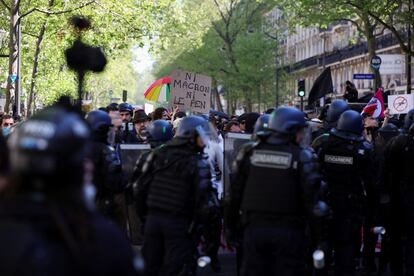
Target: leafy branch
55 12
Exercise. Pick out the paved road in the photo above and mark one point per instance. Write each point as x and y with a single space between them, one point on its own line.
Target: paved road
228 263
228 266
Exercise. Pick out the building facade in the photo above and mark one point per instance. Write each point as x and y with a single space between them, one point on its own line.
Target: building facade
307 51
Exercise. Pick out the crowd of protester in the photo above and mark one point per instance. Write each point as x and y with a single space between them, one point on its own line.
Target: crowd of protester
378 232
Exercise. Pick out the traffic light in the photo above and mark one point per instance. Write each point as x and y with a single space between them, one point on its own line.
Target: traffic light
124 96
301 88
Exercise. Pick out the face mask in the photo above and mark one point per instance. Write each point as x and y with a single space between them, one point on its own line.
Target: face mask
6 131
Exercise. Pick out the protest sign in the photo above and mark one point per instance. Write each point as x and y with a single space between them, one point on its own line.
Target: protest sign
190 91
400 104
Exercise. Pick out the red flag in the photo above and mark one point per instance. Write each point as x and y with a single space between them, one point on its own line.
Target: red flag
375 107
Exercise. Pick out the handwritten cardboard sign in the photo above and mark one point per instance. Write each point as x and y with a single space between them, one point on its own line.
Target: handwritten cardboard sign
190 91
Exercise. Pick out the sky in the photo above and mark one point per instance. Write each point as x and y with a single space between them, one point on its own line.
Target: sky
143 61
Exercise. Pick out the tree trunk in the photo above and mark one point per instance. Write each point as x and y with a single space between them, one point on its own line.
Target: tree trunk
30 105
371 43
218 99
13 54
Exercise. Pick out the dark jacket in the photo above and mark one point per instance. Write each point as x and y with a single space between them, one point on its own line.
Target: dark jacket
292 170
107 177
176 180
38 241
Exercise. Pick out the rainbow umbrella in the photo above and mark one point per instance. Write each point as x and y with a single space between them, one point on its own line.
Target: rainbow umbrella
159 91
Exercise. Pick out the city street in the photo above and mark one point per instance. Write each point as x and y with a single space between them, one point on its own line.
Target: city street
138 135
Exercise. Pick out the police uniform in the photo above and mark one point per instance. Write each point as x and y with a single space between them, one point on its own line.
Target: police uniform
177 182
275 190
47 226
346 161
107 176
335 109
108 180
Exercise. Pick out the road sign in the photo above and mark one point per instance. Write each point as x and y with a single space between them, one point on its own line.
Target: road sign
364 76
400 104
376 62
115 99
13 78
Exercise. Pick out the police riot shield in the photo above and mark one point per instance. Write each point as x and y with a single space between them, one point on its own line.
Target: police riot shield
232 145
130 154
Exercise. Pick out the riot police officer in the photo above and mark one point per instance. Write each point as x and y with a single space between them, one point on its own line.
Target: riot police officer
107 175
398 155
177 182
159 133
125 133
347 165
261 128
275 188
335 109
46 225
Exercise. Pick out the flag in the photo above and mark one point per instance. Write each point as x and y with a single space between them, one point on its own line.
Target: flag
375 107
321 87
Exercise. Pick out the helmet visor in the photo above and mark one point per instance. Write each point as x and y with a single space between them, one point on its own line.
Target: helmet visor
207 133
304 136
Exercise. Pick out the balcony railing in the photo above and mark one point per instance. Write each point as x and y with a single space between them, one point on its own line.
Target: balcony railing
382 42
312 61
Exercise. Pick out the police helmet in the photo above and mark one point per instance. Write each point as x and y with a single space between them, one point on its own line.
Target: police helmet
113 107
98 120
408 120
336 108
51 144
192 126
125 107
261 126
287 120
160 131
350 126
388 131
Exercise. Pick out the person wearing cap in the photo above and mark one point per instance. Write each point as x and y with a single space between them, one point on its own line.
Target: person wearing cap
126 112
273 197
347 164
139 134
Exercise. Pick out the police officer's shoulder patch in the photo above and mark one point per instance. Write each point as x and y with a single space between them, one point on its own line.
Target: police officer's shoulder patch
340 160
271 159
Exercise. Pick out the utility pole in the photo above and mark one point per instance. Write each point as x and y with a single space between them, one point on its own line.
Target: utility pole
277 74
